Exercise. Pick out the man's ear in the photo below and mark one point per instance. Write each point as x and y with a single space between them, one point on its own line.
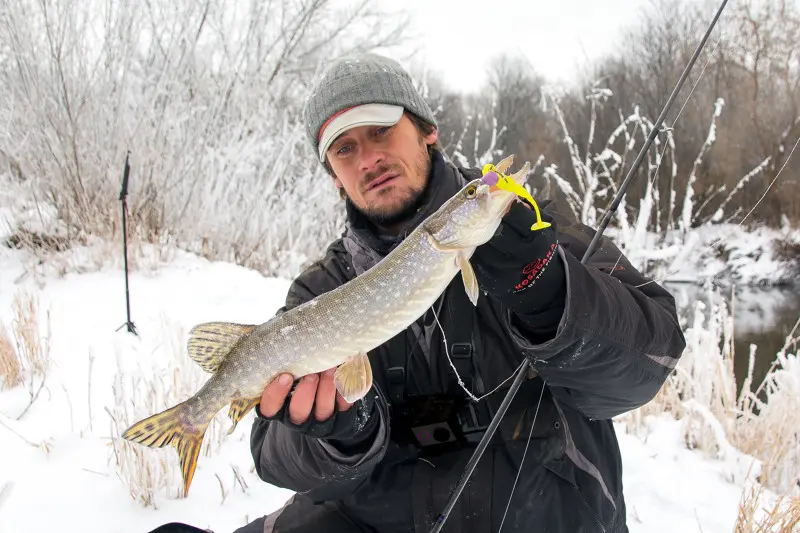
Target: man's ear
339 188
432 137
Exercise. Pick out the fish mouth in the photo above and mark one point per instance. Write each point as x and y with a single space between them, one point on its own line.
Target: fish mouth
382 179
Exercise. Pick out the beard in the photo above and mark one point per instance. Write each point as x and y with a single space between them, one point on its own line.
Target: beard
392 216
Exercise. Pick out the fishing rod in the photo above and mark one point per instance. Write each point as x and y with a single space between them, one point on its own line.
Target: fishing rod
525 366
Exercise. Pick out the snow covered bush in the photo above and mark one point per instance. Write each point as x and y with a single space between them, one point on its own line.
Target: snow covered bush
205 99
763 422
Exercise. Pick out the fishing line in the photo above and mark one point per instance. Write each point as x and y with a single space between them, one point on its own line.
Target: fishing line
522 461
730 233
533 422
458 376
696 83
654 177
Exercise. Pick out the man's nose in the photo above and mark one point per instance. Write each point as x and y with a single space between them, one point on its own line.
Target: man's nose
371 158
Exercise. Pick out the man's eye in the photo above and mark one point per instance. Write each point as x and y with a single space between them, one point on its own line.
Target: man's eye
383 130
343 150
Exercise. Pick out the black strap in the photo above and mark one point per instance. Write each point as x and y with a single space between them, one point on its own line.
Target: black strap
460 318
463 321
397 382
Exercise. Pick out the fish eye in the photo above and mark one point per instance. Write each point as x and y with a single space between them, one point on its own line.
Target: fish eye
471 191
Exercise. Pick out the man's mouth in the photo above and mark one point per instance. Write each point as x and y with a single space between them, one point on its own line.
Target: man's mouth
381 180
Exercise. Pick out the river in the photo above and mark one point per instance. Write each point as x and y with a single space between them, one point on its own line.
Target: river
763 317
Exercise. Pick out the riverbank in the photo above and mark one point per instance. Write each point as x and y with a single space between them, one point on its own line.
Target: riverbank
728 255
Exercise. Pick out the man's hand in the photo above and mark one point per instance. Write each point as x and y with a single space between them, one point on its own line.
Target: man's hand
314 391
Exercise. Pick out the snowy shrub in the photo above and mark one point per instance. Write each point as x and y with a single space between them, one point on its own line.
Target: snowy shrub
718 418
203 97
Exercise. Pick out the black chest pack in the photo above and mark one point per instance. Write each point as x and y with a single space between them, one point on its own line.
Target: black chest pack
438 423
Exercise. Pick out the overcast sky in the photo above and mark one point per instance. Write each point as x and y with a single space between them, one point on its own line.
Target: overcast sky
458 37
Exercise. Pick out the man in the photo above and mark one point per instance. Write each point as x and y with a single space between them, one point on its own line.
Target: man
601 340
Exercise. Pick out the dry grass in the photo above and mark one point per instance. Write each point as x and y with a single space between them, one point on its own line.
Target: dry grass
33 348
754 516
139 392
10 366
27 358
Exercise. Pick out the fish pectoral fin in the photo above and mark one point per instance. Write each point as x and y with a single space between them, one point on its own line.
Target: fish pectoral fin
453 244
439 247
239 408
210 342
353 379
470 281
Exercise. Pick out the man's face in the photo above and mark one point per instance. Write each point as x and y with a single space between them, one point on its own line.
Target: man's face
383 169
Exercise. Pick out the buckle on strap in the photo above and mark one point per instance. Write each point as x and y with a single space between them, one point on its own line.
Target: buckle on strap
461 354
474 418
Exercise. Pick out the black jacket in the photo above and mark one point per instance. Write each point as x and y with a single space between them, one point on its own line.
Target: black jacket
612 348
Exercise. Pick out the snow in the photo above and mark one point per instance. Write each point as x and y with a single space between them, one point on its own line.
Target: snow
670 488
77 477
58 469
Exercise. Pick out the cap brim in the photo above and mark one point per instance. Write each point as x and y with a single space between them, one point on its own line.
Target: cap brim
363 115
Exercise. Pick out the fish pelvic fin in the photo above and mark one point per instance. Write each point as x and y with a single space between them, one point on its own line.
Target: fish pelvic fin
210 342
172 427
353 379
239 408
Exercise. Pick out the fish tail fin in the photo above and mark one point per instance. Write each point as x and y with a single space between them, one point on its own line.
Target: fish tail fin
172 427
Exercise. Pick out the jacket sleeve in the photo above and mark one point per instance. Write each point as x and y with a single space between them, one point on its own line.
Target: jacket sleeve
618 337
321 468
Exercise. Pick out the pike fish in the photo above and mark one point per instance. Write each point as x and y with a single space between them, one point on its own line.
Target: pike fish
335 329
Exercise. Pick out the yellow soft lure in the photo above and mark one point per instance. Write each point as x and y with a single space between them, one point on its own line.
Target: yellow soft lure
493 176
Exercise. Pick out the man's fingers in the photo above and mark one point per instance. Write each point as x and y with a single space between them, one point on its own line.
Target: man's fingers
342 404
326 396
275 394
303 399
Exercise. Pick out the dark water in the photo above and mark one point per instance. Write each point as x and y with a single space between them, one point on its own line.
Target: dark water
764 317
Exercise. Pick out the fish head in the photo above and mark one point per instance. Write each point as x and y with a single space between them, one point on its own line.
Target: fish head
471 217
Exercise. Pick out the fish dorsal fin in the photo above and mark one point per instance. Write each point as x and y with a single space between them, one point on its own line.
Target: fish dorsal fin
210 342
353 378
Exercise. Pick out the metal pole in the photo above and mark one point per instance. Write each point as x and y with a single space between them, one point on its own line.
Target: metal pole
123 194
525 367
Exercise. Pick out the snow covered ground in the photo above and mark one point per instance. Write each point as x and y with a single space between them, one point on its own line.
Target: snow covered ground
58 466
